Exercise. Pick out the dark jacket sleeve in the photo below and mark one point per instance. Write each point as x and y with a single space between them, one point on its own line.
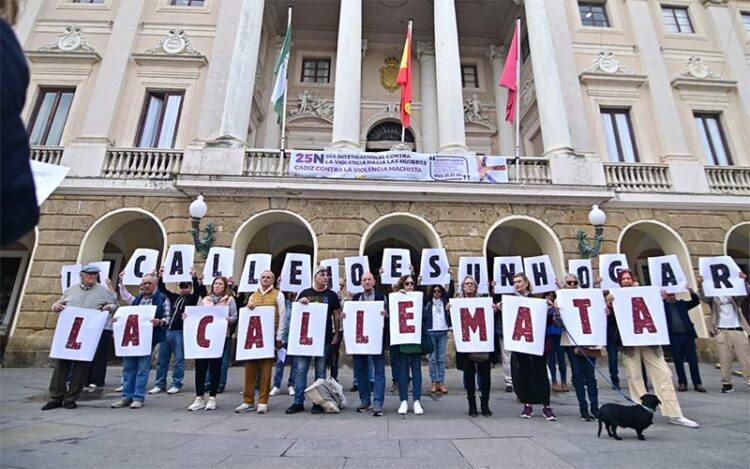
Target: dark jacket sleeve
163 288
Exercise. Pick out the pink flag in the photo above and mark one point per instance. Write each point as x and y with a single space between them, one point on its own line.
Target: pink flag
508 78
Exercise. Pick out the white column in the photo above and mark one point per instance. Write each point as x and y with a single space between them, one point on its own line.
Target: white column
451 130
25 24
505 130
272 138
428 96
348 92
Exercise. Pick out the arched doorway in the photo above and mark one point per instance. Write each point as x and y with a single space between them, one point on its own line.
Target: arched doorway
737 245
383 136
15 264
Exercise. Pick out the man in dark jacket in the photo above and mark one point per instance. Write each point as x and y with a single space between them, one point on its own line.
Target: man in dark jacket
682 338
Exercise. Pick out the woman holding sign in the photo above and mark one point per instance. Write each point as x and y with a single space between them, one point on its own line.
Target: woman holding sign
409 358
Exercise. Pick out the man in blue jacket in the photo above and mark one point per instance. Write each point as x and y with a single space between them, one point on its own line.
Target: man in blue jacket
682 338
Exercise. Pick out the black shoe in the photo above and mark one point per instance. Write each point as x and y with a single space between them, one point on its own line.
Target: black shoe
472 407
294 408
594 413
363 408
486 408
377 412
52 405
509 388
587 418
220 390
726 388
316 409
354 388
70 405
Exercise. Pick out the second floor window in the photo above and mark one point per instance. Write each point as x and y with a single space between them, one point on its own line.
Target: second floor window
469 76
91 2
316 70
618 133
712 139
676 19
746 21
49 116
187 3
593 14
160 118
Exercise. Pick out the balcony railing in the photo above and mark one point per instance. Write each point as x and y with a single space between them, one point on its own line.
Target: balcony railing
638 177
142 163
531 170
728 179
51 155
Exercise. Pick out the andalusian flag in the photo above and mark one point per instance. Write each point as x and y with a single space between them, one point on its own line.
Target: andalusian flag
404 79
282 64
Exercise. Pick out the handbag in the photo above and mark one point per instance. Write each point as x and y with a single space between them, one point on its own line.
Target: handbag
426 344
479 357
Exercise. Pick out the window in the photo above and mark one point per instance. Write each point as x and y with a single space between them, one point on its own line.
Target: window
187 3
525 48
619 135
746 21
469 76
593 14
49 116
316 70
90 2
676 19
160 118
712 138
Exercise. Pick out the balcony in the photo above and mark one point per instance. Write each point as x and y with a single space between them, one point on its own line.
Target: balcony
638 177
51 155
729 179
142 163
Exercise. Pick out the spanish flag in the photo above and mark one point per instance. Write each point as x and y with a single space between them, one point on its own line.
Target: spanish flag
404 79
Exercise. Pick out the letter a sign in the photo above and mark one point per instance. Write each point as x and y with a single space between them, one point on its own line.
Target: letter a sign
473 324
133 331
255 335
640 316
524 324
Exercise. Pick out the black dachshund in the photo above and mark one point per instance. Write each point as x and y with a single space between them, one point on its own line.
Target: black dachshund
638 417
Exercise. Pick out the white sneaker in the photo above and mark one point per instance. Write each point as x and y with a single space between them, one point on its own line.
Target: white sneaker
683 422
155 390
211 404
290 389
198 404
93 386
274 391
403 408
118 388
242 408
173 390
418 410
262 408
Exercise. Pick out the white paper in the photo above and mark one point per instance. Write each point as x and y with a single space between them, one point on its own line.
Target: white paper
79 343
70 275
584 307
518 312
204 331
714 269
332 266
583 271
503 269
473 321
142 327
296 273
646 304
355 267
309 342
609 266
541 273
255 264
396 263
434 267
367 317
467 266
180 258
256 337
47 177
143 261
219 263
673 280
405 317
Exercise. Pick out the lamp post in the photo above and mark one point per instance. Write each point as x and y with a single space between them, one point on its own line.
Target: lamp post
198 209
597 217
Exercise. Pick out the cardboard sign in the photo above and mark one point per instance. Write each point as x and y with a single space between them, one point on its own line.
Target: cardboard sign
503 270
307 329
256 337
396 263
666 273
721 276
332 266
355 268
132 331
70 275
77 334
219 263
179 261
609 266
142 262
583 270
473 322
541 273
640 316
254 265
477 268
204 331
434 267
363 327
584 315
405 317
524 324
296 273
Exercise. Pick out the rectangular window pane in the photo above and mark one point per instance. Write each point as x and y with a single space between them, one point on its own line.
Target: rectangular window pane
609 136
707 150
169 123
150 123
718 141
58 121
42 117
746 21
623 130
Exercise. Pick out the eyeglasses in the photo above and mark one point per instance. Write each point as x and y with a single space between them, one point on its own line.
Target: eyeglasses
572 282
408 283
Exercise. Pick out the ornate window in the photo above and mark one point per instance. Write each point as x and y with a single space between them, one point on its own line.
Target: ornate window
316 70
676 19
712 138
160 119
49 116
593 14
618 133
469 76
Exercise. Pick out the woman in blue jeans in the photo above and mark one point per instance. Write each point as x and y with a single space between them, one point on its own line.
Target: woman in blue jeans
437 320
556 357
410 358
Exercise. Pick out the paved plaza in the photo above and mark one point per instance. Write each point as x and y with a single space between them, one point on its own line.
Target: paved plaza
165 434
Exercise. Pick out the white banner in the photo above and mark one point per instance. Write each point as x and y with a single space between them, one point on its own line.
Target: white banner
69 276
307 329
503 270
363 327
219 263
204 331
541 273
256 337
721 276
77 334
475 267
667 274
640 316
584 314
142 262
132 331
296 273
473 322
396 263
405 317
583 271
332 266
47 177
255 264
434 267
355 268
609 266
179 261
524 324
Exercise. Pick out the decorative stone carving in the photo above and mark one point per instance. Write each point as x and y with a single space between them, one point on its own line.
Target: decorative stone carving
72 40
389 73
528 93
695 68
313 106
176 42
474 111
606 62
424 49
391 108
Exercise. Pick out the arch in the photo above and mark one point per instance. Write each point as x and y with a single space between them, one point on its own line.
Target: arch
31 245
390 115
737 244
541 239
398 230
275 232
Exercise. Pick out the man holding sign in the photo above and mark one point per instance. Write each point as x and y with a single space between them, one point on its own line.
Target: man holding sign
682 337
90 295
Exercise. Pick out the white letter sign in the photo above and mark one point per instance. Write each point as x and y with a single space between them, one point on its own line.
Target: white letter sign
721 276
475 267
77 334
363 327
332 267
256 337
254 265
541 273
219 263
142 262
307 329
405 317
396 263
179 261
434 267
355 268
473 322
70 275
584 315
204 331
666 273
583 271
503 270
296 273
640 316
609 266
132 331
524 324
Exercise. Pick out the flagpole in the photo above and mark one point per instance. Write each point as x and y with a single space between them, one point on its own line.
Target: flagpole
408 34
518 96
283 112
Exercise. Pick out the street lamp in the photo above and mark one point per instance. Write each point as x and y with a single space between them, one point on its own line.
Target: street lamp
198 209
597 217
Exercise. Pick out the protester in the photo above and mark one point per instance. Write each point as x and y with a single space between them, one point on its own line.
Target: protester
226 354
98 368
410 359
278 375
682 337
502 353
438 323
556 357
90 295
